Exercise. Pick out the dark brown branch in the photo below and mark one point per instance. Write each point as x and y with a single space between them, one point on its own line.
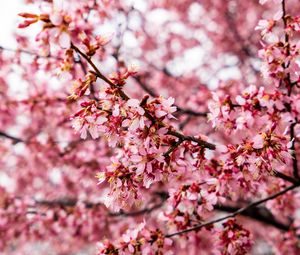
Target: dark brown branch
79 61
184 123
192 138
14 139
232 215
245 49
146 88
73 202
260 214
191 112
293 148
284 19
285 177
98 73
64 202
173 147
237 36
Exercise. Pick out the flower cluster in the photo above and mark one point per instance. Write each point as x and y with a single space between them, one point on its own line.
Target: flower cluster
277 64
61 26
139 240
266 26
119 78
220 109
140 162
122 117
280 54
80 87
234 239
190 203
254 107
258 156
138 165
89 118
56 27
92 45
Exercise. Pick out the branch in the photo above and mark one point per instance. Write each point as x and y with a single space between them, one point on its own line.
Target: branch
173 147
285 177
192 138
185 122
79 61
98 73
245 49
191 112
14 139
293 148
239 211
284 19
73 202
259 214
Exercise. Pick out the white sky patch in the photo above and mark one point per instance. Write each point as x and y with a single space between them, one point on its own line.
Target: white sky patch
19 87
9 20
189 61
159 16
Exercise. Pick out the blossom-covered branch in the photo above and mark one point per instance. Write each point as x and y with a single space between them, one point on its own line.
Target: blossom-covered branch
239 211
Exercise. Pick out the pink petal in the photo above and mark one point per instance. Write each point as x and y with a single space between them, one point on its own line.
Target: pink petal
64 40
258 142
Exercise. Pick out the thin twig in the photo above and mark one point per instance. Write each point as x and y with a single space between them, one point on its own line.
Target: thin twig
285 177
13 138
173 147
193 139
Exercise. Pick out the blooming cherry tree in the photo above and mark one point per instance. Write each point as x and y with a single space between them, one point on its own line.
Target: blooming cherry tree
191 150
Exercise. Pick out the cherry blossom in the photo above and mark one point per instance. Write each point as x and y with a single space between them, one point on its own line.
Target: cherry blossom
151 127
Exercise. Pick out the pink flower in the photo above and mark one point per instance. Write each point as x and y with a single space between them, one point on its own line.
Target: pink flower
258 142
135 104
60 33
166 108
93 124
266 26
